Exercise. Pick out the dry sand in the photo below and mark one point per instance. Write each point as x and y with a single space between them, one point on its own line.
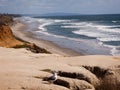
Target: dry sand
19 67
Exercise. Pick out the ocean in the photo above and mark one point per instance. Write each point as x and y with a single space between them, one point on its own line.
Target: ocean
86 34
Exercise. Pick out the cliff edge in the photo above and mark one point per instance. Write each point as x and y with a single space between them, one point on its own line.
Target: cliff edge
7 39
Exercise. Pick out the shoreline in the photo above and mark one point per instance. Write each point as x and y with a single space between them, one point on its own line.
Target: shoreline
18 30
21 69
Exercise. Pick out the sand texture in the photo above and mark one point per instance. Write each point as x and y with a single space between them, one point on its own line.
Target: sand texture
21 69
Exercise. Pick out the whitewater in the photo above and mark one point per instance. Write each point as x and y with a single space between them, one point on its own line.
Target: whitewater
91 35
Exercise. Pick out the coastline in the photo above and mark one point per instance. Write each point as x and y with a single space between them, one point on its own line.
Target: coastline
21 69
19 30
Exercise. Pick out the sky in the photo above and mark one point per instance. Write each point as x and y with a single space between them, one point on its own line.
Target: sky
60 6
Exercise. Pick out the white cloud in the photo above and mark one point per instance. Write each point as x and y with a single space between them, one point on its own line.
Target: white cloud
45 6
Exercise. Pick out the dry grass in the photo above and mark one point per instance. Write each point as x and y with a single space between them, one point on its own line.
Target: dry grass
5 19
98 71
108 84
32 48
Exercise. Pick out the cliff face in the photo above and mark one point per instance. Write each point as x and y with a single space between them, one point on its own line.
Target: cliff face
7 38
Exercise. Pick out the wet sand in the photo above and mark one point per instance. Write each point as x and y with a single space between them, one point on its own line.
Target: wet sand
19 30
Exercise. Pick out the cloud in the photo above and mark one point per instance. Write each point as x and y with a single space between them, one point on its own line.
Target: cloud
3 2
45 6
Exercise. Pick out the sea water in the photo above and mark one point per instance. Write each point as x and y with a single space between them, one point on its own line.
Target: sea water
86 34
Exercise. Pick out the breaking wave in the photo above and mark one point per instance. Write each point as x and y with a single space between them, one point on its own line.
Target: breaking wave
99 32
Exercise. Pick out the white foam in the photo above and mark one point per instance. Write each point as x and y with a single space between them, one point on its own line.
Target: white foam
75 23
98 35
115 51
101 32
114 21
109 39
28 19
79 25
41 20
96 27
42 27
71 26
59 36
106 29
49 34
89 33
44 22
46 33
62 21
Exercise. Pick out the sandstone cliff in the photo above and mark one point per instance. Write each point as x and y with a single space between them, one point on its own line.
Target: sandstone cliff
7 38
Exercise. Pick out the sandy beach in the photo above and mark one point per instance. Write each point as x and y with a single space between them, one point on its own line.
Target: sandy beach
19 31
23 70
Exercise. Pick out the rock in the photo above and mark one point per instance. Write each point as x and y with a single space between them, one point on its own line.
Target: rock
74 84
97 70
34 48
83 74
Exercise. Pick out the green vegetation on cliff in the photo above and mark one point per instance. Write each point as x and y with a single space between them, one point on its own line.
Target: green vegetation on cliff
7 18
